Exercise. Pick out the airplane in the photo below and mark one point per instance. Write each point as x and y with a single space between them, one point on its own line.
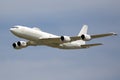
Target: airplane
36 37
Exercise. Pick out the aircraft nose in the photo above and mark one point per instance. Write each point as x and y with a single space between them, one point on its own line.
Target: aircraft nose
12 29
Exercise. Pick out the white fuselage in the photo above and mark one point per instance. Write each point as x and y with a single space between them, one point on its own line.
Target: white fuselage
34 34
30 33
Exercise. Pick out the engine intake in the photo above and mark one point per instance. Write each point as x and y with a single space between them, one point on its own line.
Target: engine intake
19 44
65 38
86 37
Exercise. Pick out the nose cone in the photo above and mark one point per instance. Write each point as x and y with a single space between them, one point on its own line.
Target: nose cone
12 30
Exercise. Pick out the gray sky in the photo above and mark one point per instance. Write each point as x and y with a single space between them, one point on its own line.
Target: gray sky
60 17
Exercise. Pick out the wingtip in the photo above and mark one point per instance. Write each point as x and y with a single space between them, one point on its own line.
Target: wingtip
99 43
114 33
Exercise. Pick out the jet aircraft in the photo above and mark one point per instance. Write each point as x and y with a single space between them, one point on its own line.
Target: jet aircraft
36 37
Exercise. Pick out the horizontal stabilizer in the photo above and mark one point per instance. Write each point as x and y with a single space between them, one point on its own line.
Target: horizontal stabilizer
91 45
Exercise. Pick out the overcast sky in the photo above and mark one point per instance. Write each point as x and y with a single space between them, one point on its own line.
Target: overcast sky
60 17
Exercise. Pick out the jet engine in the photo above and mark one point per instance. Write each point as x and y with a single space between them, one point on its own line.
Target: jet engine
19 44
65 38
86 37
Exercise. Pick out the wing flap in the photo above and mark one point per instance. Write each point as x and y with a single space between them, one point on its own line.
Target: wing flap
91 45
102 35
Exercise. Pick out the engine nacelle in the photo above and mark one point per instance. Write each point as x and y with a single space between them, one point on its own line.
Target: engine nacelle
86 37
65 38
19 44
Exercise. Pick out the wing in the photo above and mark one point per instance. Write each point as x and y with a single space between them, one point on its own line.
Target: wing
102 35
91 45
57 40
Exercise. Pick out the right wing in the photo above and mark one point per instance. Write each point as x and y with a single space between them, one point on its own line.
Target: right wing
102 35
58 39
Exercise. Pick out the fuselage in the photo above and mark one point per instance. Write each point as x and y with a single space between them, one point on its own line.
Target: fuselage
34 34
30 33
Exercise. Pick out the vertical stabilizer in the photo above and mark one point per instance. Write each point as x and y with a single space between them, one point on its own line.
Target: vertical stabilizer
83 30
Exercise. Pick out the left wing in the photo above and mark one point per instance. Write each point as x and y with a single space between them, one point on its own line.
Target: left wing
102 35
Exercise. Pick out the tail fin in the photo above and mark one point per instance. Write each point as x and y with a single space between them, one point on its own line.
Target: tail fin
83 30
